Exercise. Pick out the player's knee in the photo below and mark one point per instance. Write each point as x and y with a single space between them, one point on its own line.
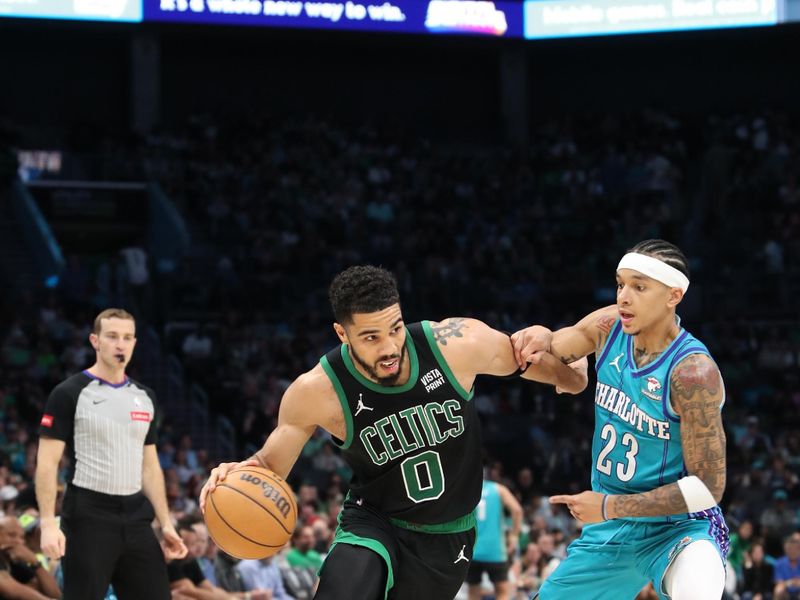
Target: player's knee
352 572
696 574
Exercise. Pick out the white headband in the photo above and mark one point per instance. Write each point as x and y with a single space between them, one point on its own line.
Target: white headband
655 269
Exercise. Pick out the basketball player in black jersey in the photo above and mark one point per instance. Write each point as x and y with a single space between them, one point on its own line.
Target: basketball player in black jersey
397 400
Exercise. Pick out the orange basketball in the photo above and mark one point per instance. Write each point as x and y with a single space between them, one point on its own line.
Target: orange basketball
252 513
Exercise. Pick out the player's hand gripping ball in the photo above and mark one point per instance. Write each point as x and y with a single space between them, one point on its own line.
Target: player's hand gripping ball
251 513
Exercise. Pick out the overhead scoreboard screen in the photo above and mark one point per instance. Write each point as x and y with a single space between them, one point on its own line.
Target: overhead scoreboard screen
530 19
571 18
499 18
82 10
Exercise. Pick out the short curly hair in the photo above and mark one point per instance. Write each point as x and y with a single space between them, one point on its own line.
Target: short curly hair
362 289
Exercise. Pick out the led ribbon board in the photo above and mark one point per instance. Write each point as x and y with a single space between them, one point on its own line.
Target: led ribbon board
84 10
470 17
568 18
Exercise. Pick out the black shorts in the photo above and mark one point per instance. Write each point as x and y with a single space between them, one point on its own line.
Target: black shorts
420 565
110 540
497 571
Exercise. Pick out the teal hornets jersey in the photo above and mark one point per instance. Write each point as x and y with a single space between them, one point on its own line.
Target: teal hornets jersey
637 438
490 546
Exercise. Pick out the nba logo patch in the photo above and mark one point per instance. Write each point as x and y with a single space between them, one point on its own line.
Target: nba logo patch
47 420
140 416
653 386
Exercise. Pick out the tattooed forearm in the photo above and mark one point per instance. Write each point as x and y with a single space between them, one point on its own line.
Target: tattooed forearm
666 500
569 359
696 395
449 328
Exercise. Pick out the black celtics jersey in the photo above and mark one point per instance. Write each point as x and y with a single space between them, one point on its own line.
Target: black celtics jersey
415 449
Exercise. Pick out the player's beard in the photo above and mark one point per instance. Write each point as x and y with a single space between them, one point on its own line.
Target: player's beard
372 370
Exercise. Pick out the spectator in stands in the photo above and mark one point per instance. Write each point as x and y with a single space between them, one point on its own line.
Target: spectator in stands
323 536
525 488
327 461
757 575
21 561
263 579
186 578
228 577
11 588
302 553
530 570
206 551
550 561
135 258
33 537
308 513
787 570
776 520
740 545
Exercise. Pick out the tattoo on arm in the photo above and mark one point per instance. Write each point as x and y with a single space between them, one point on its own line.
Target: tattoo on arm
569 359
696 394
603 326
449 328
664 500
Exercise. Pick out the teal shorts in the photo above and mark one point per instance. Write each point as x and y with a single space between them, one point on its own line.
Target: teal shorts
616 559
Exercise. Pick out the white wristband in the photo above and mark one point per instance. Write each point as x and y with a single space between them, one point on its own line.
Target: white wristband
697 496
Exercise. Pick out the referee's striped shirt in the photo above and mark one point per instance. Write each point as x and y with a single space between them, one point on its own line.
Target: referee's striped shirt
105 427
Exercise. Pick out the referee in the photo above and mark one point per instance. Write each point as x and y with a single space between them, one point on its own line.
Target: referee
107 422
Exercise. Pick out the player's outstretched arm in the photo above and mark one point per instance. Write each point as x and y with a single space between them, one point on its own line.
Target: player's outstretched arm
572 378
567 344
473 348
298 417
696 394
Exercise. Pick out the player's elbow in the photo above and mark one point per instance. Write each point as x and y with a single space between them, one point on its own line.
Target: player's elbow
716 485
575 385
718 492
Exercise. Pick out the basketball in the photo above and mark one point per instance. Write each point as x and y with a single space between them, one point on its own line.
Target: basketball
251 514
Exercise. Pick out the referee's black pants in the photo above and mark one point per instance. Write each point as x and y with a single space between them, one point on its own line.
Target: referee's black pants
110 540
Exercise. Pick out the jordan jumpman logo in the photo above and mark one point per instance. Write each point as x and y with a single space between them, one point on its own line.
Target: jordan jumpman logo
615 362
461 555
361 406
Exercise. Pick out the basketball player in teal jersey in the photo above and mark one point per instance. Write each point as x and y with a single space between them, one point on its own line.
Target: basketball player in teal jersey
491 553
659 446
397 400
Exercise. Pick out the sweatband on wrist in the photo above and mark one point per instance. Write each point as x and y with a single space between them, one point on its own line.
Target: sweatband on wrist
603 507
655 269
696 495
